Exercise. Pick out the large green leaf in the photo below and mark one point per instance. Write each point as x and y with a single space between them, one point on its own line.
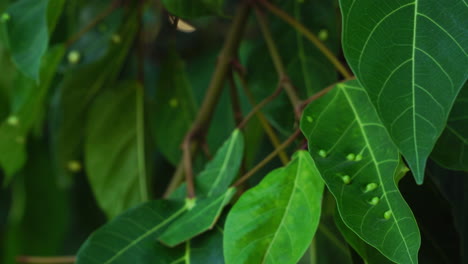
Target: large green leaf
411 58
206 248
174 107
197 220
275 221
26 110
369 254
114 148
358 162
28 28
76 92
451 150
131 237
307 68
220 171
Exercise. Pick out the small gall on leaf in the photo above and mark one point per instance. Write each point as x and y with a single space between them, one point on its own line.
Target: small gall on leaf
323 34
371 186
374 201
358 157
116 39
351 157
346 179
5 17
13 120
174 102
309 119
388 214
322 153
190 203
74 57
74 166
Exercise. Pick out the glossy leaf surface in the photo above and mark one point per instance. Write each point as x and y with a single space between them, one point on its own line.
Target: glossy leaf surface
451 150
220 171
131 237
275 221
26 111
113 149
201 218
369 254
359 162
27 35
73 100
410 56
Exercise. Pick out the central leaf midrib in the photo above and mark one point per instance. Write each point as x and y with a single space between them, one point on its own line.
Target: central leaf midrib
285 211
375 162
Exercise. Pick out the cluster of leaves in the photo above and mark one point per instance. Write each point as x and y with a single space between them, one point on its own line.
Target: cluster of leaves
97 98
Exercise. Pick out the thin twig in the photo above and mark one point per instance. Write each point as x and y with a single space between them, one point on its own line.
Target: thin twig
277 61
261 105
101 16
262 119
309 35
48 260
320 94
262 163
227 54
235 101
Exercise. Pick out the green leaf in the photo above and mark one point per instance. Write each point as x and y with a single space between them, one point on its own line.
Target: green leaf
206 248
199 219
27 31
27 35
193 8
359 163
275 221
412 62
114 152
451 150
174 108
220 171
308 69
76 92
27 109
131 237
44 209
369 254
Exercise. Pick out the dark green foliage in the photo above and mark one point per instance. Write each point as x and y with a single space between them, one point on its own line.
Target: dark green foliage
147 131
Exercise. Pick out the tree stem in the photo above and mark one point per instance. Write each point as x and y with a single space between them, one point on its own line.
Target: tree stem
278 63
227 54
309 35
265 161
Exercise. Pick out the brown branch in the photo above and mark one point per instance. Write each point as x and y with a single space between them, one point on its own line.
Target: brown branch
320 94
261 118
235 101
260 105
101 16
47 260
204 116
277 61
265 161
309 35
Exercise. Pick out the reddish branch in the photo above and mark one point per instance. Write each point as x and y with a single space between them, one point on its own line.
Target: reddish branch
228 53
